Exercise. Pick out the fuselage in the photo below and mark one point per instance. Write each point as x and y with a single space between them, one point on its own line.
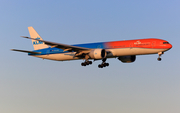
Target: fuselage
114 48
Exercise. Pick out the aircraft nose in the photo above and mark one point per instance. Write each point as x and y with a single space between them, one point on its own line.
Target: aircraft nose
169 46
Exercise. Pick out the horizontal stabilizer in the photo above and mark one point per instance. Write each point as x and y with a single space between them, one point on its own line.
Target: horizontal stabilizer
25 51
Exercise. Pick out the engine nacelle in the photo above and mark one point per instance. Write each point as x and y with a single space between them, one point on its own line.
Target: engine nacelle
127 59
98 54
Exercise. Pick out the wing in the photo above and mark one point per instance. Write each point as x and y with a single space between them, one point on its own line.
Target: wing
25 51
65 47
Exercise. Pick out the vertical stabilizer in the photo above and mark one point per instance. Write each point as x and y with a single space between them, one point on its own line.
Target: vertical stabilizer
36 44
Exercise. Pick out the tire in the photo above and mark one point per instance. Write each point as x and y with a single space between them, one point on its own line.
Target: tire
90 62
100 66
159 59
83 64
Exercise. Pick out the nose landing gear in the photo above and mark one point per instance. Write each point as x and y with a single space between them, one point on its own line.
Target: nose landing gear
159 58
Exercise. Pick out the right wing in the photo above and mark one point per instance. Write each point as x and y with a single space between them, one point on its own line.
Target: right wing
65 47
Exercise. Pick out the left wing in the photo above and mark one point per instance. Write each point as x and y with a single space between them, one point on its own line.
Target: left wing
65 47
25 51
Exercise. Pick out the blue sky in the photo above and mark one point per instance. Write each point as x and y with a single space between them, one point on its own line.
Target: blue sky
29 84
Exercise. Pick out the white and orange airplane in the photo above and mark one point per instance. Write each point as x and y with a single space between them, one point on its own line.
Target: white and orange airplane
125 51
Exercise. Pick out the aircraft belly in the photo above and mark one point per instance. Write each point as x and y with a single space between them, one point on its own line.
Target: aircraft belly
62 56
58 57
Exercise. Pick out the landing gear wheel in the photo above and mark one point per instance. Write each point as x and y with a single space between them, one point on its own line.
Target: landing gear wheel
159 59
87 63
100 66
83 64
107 64
90 62
104 65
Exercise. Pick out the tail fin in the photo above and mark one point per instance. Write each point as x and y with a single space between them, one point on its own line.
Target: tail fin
37 44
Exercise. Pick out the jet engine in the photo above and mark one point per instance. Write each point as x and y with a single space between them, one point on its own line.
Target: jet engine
98 54
127 59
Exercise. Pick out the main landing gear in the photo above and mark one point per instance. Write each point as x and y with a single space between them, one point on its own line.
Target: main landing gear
104 64
159 58
86 63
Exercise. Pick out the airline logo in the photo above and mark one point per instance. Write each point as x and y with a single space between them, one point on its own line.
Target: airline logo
37 42
138 42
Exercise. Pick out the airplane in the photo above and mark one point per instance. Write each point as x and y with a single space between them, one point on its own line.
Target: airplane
126 50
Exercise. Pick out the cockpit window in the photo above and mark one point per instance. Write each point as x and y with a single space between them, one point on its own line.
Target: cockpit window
165 42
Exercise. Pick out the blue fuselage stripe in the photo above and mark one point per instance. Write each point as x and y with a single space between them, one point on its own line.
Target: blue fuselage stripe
55 50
